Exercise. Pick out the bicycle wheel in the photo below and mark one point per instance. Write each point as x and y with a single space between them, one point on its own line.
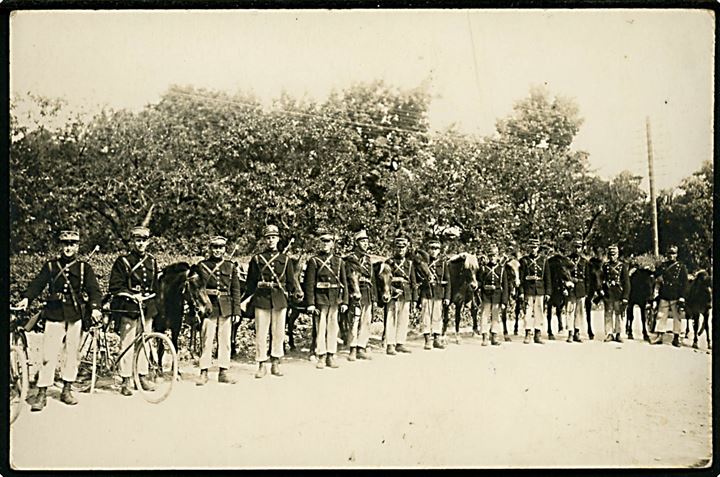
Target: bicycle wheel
156 360
19 381
85 380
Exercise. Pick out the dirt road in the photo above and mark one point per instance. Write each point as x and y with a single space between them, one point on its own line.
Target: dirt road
555 405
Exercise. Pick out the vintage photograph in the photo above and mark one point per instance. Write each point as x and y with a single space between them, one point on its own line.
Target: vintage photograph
361 239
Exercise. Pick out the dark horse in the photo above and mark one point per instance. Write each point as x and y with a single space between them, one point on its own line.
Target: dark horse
593 290
642 288
180 285
698 302
463 268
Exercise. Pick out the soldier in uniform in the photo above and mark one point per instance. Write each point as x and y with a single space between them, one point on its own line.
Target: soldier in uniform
672 278
493 283
222 284
575 304
534 280
270 283
361 302
615 291
434 294
397 310
594 289
326 294
67 278
135 273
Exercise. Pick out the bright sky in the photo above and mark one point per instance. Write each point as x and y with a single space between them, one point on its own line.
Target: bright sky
620 66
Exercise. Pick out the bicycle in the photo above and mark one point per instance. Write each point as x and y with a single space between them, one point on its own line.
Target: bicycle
156 348
19 368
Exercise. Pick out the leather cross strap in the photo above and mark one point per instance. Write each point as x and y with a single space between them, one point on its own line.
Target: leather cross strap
399 269
212 272
62 271
267 266
67 280
324 264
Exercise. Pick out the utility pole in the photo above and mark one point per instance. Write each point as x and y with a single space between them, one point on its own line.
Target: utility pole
653 198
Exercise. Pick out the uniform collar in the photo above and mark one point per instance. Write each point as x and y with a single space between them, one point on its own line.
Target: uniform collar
64 260
214 259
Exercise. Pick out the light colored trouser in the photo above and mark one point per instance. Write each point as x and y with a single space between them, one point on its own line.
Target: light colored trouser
666 307
223 327
327 330
52 345
574 313
129 328
534 316
489 317
265 320
396 322
360 329
613 316
431 312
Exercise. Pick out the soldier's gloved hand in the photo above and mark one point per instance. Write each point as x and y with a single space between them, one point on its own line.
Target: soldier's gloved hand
546 297
446 302
106 306
311 309
343 308
22 304
96 316
235 319
503 306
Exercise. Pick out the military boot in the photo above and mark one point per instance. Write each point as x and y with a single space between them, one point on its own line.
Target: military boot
658 339
437 343
262 370
527 337
618 338
390 350
676 341
353 354
224 377
576 336
646 337
570 337
40 400
146 384
506 337
428 344
401 348
203 378
321 362
67 396
484 340
630 335
331 361
125 389
551 336
493 339
275 367
537 337
362 354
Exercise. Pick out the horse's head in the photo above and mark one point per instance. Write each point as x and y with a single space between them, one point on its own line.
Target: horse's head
420 261
194 293
470 270
384 280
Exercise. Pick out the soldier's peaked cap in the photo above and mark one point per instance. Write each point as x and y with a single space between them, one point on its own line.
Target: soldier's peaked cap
361 235
218 241
69 236
140 231
534 242
271 230
672 248
613 248
324 234
401 239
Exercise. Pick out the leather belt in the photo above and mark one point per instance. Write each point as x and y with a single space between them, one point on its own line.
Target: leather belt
532 277
364 280
216 292
327 285
398 280
489 287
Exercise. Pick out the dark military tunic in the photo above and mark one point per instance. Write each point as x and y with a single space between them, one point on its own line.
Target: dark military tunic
673 278
361 264
615 280
534 275
493 282
403 277
223 286
66 280
580 276
270 280
436 286
325 281
137 274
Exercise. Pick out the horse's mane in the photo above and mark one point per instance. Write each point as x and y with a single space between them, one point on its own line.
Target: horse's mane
471 262
384 268
421 256
176 268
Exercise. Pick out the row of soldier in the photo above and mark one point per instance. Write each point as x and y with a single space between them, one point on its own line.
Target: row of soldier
332 286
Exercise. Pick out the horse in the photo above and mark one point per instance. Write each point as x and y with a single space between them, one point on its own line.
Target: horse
698 302
642 286
464 269
560 275
180 284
